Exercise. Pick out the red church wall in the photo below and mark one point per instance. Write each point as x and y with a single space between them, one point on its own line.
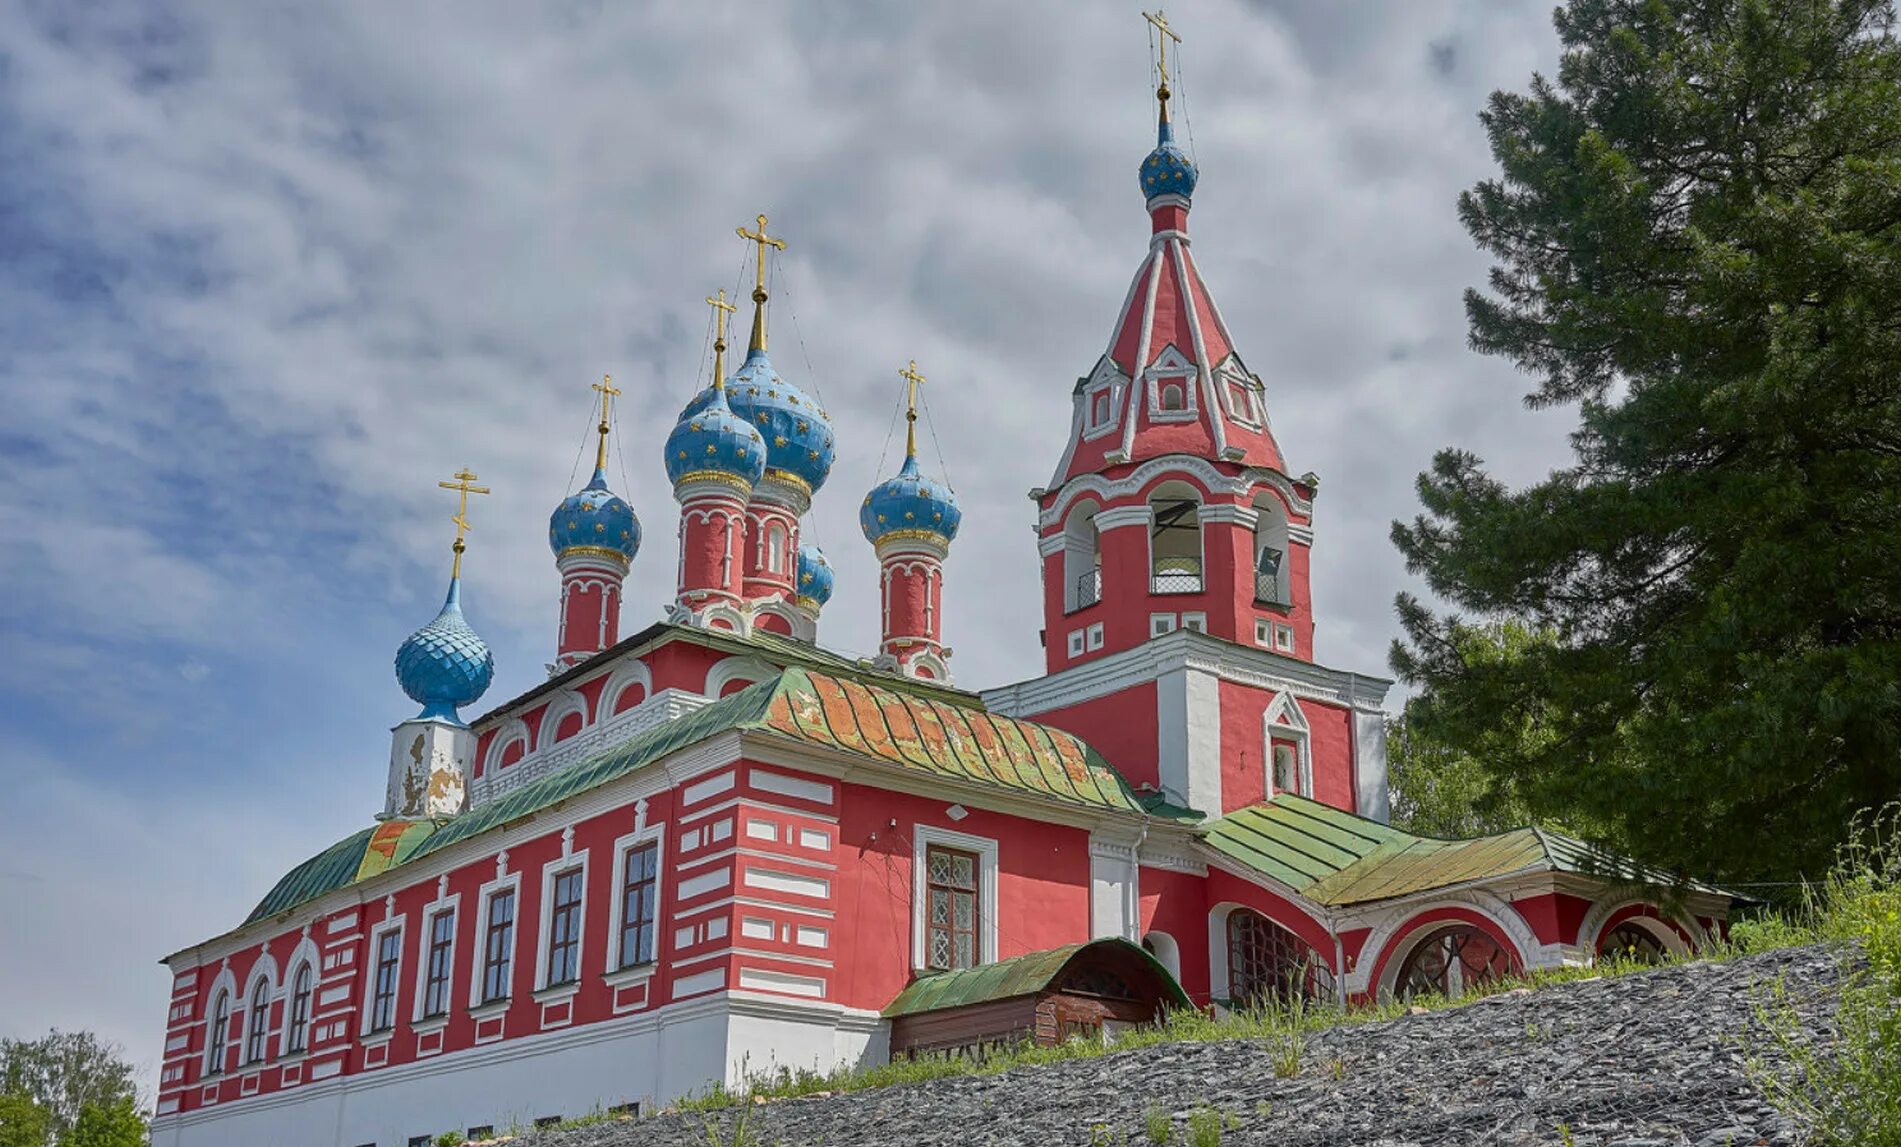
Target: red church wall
1177 903
1554 917
1224 888
1124 727
1330 734
1244 747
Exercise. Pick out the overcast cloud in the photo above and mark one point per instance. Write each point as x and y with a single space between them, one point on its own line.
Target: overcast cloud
266 275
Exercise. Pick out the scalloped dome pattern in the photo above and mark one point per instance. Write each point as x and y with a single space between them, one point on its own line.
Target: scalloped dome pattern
445 664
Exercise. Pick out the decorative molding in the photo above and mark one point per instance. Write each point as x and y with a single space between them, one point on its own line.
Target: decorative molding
1240 487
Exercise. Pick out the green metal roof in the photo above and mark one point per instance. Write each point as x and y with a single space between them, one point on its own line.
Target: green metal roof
1008 979
912 732
1335 858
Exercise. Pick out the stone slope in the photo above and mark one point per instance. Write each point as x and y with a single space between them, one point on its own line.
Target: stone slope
1636 1061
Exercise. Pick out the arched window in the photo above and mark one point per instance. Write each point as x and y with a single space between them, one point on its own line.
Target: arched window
1163 947
217 1033
1273 575
1631 941
1175 539
1099 413
1174 396
297 1013
1451 961
257 1026
775 548
1269 964
1082 558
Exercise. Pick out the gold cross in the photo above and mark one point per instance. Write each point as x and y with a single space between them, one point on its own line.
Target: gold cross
465 483
1167 33
721 308
912 381
608 392
759 281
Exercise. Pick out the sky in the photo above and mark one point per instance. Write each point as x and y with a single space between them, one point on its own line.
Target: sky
268 273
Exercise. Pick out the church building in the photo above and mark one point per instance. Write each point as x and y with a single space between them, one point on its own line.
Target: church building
713 848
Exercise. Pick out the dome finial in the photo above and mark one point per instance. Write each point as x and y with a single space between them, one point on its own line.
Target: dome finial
1166 34
464 483
608 392
722 308
759 282
912 381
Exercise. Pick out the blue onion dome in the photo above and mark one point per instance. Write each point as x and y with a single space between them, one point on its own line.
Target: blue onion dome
815 576
797 433
445 665
910 506
1168 170
595 520
713 442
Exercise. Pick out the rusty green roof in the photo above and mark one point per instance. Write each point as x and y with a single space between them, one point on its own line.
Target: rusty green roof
1333 857
917 733
1008 979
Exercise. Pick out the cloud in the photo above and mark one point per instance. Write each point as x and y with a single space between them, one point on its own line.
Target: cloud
266 274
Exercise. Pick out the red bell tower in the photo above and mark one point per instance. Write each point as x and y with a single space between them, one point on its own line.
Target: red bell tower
1172 506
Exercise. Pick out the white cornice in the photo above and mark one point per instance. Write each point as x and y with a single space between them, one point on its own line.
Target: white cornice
1239 486
1186 649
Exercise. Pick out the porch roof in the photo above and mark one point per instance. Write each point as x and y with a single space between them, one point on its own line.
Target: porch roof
1018 976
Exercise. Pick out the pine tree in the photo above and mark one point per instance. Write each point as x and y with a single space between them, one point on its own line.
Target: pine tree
1697 230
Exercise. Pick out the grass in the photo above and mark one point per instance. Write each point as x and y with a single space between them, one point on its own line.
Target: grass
1849 1093
1283 1028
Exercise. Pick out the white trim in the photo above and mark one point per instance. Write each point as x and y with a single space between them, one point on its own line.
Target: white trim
565 702
478 963
218 1042
985 848
1296 730
365 1030
737 667
305 953
1240 487
643 835
1530 951
264 974
451 904
1591 928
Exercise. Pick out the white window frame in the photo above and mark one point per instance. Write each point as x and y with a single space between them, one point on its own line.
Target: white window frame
1295 730
478 966
298 964
544 937
218 1043
365 1027
1076 645
1197 621
1172 367
1250 411
1283 638
262 976
1264 633
656 835
985 848
1110 388
435 908
1093 638
1161 623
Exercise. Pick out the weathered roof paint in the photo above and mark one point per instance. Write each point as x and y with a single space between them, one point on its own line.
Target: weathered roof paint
1335 858
912 732
1008 979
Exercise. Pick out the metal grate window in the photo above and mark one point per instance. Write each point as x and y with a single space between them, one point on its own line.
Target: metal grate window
1449 961
1267 962
953 906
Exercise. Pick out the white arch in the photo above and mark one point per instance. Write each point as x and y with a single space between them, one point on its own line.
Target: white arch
1218 939
264 975
631 671
1295 729
569 701
1166 951
739 667
1591 928
1477 901
1241 486
779 608
218 1043
512 730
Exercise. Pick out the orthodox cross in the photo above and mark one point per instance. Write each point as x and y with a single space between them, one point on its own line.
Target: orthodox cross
1166 34
722 308
912 380
464 483
759 281
608 392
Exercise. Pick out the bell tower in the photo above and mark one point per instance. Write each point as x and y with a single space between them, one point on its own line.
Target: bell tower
1172 507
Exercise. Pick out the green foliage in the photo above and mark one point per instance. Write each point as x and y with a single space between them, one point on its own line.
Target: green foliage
1695 236
65 1073
1205 1125
1157 1126
1446 790
117 1124
450 1139
23 1122
1849 1095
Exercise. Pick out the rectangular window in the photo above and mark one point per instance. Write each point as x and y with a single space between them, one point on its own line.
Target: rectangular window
498 947
564 929
1284 638
1093 637
951 901
389 949
299 1021
441 940
257 1029
1076 643
1160 623
1263 633
1286 768
1195 621
639 883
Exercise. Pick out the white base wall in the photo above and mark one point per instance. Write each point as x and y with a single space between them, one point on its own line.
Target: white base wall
652 1058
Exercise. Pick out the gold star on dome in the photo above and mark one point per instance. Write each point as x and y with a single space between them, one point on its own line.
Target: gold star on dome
778 440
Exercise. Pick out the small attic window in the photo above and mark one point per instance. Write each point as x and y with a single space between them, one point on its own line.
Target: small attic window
1099 410
1174 396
